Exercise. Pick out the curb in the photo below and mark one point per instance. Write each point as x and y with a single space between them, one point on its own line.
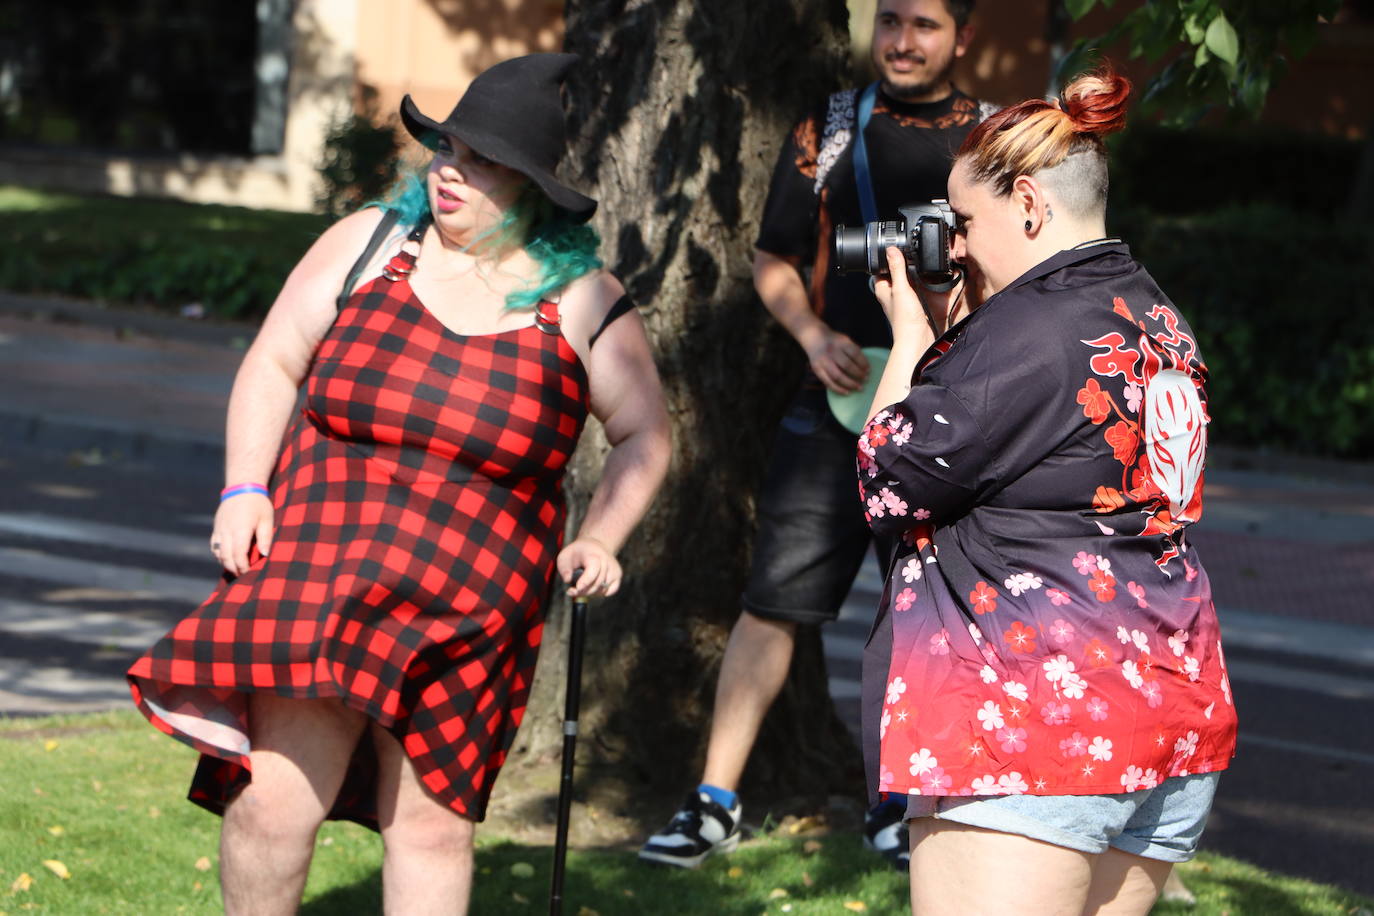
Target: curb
147 323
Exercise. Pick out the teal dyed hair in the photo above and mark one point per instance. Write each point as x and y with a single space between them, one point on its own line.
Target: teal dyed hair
563 248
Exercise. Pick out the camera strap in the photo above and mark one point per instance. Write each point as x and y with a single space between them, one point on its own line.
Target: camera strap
867 203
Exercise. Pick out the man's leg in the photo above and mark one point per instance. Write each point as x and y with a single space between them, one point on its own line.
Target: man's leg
751 675
299 751
427 864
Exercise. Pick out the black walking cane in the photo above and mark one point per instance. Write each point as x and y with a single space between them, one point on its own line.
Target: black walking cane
576 634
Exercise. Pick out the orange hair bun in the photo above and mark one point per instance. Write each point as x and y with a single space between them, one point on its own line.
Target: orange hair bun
1096 101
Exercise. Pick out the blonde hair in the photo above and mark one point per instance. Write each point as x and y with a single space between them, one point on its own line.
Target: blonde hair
1036 135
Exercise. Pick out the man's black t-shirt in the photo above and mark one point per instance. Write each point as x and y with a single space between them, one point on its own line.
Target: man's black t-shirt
910 149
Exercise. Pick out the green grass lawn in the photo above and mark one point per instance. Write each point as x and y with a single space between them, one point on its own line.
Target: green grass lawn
100 799
161 253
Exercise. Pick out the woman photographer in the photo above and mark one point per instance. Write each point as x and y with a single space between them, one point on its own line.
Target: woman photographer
1045 683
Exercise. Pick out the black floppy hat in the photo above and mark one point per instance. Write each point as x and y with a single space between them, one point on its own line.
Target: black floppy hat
512 114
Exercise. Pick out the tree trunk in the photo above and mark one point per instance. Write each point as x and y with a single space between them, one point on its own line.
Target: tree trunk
677 113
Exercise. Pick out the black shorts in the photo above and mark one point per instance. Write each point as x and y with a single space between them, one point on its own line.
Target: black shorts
811 530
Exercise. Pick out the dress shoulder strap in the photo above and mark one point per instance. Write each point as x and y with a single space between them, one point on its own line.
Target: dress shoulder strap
379 235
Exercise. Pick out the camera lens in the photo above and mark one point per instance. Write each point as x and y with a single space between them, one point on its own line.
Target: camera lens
851 248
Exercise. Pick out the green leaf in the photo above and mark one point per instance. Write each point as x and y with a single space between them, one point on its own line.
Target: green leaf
1201 57
1079 8
1194 30
1222 41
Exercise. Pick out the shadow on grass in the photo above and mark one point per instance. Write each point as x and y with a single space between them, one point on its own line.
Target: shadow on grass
618 884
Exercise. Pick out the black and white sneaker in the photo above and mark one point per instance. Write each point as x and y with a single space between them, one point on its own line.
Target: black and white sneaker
702 827
886 833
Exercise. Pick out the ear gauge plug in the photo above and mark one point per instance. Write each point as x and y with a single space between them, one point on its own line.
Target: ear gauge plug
1028 225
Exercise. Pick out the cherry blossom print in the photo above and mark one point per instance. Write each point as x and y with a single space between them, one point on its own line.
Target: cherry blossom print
1097 404
1193 668
939 643
1138 593
1108 499
1146 662
1016 690
1153 693
885 778
935 782
1124 439
1103 585
1057 597
1016 710
1098 653
1021 583
884 723
1097 709
877 435
1103 564
875 507
895 688
1053 713
1133 393
1179 642
1011 784
1136 778
1076 745
1057 668
988 675
1123 635
1020 637
985 785
991 716
1085 563
1061 632
1186 746
1141 640
976 633
984 598
1072 686
921 514
1226 689
903 436
922 761
1131 673
911 572
892 501
904 600
1100 748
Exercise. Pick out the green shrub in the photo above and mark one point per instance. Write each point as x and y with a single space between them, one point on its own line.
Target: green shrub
359 161
1280 303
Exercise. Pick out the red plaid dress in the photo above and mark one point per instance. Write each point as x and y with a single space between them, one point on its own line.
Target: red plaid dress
419 510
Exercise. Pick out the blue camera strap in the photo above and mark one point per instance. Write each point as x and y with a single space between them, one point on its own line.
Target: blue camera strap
867 203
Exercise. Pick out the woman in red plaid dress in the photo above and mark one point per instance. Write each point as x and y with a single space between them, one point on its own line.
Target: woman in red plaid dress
369 652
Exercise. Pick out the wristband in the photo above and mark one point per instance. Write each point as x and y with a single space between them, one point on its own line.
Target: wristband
241 488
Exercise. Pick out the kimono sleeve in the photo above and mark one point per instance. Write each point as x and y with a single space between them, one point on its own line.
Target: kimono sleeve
922 461
788 227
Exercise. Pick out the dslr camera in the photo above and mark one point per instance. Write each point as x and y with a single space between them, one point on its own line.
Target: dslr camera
921 232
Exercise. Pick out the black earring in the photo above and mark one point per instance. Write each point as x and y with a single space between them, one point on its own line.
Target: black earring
1028 225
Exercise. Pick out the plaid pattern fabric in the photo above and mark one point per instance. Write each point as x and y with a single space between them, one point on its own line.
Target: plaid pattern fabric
419 510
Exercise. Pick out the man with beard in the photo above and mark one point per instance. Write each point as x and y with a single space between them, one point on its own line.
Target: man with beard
812 536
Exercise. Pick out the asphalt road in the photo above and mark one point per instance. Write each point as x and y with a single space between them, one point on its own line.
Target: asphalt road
99 555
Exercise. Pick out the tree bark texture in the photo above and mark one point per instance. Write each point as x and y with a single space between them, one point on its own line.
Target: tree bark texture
677 112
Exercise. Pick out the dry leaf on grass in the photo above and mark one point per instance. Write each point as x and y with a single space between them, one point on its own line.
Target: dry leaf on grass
856 906
735 871
203 863
155 811
96 785
522 870
519 897
811 847
587 911
57 868
50 745
22 883
57 830
807 879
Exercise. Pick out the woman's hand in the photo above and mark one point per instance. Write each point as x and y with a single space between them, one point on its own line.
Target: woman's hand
600 569
836 359
240 521
906 309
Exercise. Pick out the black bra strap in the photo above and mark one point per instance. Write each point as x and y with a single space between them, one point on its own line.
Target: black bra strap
379 235
622 305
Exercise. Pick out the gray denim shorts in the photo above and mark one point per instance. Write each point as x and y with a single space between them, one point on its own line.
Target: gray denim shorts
1162 823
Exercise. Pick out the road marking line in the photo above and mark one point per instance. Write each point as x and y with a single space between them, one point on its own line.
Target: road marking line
37 524
33 564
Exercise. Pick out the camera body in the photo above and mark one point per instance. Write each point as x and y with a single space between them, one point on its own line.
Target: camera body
921 232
